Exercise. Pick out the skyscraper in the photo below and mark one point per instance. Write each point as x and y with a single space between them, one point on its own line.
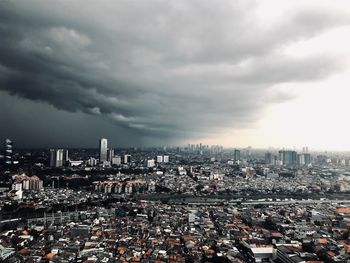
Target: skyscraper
56 157
304 159
288 158
237 155
103 149
110 155
307 158
8 151
66 157
268 158
52 157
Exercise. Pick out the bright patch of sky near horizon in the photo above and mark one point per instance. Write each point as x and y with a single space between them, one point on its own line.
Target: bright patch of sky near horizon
318 116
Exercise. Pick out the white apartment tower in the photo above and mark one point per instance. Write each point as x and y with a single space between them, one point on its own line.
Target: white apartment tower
103 146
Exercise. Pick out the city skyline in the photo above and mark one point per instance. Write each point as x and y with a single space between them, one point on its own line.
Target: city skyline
109 151
264 74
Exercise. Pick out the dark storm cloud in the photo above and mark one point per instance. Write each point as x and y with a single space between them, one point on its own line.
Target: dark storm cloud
25 123
158 68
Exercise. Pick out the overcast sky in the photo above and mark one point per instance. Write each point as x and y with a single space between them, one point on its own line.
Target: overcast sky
237 73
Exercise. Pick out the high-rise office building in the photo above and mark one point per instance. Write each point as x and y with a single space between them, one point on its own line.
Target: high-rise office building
304 159
52 157
307 158
237 155
56 157
288 158
268 158
103 146
8 152
110 155
301 159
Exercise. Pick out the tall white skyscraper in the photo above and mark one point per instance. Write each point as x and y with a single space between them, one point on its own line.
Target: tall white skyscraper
103 146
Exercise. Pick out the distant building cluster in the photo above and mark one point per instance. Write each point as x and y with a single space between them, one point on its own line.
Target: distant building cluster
128 187
24 183
288 158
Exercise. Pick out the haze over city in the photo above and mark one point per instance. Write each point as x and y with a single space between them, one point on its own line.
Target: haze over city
234 73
